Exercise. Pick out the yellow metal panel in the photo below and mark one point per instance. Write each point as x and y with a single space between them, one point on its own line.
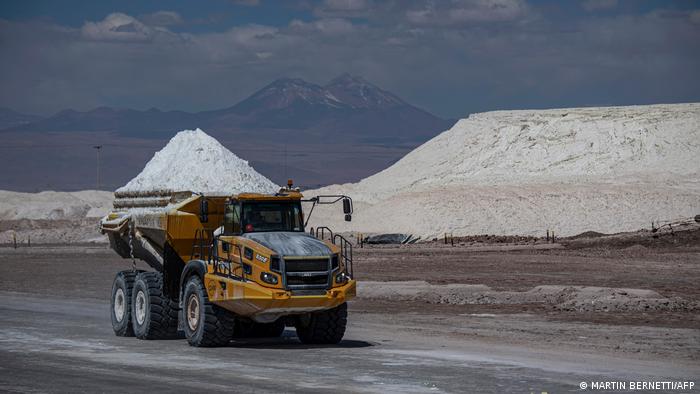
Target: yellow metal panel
249 298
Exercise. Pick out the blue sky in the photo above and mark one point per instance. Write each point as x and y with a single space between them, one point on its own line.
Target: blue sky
214 15
451 57
222 14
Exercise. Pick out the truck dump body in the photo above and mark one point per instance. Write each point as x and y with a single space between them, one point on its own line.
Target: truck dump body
142 224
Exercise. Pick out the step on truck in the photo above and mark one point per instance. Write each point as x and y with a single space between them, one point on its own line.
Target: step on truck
226 267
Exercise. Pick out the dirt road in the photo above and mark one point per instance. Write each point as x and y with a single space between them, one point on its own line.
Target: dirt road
56 336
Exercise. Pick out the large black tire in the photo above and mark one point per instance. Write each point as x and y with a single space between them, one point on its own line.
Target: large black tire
153 314
206 325
325 327
120 305
258 330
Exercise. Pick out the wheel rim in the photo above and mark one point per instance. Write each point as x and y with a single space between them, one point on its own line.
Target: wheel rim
140 307
119 304
193 312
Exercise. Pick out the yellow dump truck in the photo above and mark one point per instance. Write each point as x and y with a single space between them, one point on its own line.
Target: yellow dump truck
227 267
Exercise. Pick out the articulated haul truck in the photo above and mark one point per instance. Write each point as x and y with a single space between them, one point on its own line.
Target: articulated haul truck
227 266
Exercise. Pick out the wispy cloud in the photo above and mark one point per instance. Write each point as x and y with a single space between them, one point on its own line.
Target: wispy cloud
162 18
450 57
595 5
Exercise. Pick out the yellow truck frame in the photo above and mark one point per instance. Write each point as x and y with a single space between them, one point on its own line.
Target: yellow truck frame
214 281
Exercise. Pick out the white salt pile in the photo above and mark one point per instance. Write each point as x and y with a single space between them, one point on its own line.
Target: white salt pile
52 217
523 172
194 161
50 205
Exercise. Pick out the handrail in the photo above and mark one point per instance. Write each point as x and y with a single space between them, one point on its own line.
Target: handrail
337 239
210 253
323 230
345 253
198 243
230 261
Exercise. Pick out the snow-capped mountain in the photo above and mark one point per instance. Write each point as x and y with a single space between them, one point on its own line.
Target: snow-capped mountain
358 93
287 92
347 106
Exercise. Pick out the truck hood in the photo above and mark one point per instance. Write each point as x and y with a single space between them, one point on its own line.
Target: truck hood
290 243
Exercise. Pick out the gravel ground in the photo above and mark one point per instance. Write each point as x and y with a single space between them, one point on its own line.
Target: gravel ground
55 300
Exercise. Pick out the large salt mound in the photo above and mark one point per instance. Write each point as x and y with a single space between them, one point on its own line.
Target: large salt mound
522 172
52 217
195 161
50 205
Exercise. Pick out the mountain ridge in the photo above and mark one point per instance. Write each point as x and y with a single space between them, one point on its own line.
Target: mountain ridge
317 134
347 105
12 118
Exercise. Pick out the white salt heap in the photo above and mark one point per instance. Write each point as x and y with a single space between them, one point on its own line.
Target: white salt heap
194 161
523 172
50 205
52 217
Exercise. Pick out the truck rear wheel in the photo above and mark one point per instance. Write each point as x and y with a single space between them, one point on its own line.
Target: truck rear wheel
153 314
206 325
325 327
120 305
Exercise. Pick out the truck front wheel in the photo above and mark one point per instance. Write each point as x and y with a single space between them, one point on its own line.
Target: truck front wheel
325 327
153 314
206 325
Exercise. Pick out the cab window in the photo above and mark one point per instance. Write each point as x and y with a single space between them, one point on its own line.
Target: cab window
271 216
232 218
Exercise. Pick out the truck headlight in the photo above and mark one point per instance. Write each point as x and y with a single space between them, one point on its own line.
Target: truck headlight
341 278
268 278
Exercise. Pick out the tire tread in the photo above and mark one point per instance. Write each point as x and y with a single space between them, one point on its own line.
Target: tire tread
325 327
127 329
161 323
218 323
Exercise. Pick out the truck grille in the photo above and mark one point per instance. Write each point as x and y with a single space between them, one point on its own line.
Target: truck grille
305 280
307 273
306 265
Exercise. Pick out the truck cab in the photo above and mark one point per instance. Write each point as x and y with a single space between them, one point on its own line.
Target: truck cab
265 268
271 233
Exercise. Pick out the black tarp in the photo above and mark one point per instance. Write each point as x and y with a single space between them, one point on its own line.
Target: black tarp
390 239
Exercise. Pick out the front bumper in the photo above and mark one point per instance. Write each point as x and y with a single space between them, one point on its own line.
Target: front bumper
264 304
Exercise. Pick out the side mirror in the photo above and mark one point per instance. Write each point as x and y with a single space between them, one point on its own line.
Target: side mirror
348 217
347 208
204 210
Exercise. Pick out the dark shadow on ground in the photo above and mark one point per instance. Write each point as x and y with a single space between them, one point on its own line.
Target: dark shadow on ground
289 340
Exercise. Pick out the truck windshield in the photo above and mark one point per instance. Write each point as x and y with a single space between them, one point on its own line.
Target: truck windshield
271 216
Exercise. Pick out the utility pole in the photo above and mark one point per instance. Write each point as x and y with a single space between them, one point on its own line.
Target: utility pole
98 148
285 158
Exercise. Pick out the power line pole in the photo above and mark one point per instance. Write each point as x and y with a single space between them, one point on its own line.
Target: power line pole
285 159
98 148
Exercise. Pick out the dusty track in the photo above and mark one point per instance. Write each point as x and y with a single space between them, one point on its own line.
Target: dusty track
669 266
56 334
